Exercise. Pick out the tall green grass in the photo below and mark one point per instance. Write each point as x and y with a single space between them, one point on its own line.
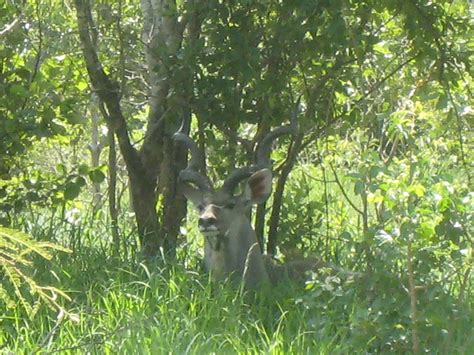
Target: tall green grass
138 308
130 307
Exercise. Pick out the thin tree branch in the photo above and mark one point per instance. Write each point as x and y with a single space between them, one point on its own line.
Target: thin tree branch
338 182
38 52
388 76
12 26
106 89
413 299
459 130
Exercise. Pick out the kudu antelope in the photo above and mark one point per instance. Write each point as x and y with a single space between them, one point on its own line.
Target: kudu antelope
230 247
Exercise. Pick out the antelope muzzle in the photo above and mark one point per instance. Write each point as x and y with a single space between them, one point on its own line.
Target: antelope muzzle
207 222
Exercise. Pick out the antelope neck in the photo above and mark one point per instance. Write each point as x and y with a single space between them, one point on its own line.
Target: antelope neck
216 241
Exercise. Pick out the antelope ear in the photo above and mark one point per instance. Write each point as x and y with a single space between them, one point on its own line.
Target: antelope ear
259 186
192 194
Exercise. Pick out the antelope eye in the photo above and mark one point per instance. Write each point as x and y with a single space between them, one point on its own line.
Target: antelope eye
229 205
200 208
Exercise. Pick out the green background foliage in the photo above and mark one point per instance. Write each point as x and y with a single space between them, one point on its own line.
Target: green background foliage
380 184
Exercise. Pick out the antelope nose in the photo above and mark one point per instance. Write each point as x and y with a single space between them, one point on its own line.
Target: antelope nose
205 222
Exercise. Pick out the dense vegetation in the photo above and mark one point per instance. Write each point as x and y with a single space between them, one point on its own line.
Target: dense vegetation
97 250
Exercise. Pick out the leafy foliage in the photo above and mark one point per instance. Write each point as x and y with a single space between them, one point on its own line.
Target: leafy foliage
390 210
36 101
382 184
18 287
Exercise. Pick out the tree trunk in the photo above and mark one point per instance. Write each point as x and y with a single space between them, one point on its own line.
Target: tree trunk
278 194
144 204
157 161
142 183
169 102
260 213
174 203
112 190
260 224
95 148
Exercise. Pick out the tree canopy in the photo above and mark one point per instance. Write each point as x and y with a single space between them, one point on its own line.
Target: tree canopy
378 178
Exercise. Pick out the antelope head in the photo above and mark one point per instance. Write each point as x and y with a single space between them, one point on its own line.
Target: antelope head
230 245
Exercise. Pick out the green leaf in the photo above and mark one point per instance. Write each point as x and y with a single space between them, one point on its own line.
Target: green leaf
359 187
442 102
374 171
417 189
96 175
83 169
72 190
19 90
